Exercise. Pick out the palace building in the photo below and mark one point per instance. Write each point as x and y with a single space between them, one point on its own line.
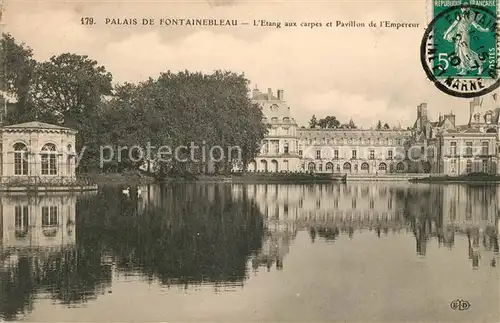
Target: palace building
440 147
37 150
290 148
453 149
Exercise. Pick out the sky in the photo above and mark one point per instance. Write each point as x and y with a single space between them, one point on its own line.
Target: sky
364 74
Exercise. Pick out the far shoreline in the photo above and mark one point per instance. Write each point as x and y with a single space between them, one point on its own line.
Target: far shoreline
140 178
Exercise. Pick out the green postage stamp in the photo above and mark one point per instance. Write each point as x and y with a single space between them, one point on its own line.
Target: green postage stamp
459 50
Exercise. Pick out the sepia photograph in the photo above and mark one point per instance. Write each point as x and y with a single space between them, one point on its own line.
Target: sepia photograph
249 161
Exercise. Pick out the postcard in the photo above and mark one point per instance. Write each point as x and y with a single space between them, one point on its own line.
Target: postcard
249 161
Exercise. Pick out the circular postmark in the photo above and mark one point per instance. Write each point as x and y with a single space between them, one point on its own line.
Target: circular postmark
459 51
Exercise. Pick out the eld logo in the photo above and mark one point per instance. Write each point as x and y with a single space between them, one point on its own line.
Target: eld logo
460 305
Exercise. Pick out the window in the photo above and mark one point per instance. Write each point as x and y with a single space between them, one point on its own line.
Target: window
485 148
49 216
285 148
485 166
372 154
49 156
389 154
468 148
354 153
21 216
336 154
353 203
468 167
318 154
320 167
453 148
20 159
300 153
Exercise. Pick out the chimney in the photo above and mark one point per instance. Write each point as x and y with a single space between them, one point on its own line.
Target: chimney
255 92
422 114
441 118
280 95
269 91
472 108
424 109
451 117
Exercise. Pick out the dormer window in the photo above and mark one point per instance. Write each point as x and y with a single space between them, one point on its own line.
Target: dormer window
274 108
477 117
488 117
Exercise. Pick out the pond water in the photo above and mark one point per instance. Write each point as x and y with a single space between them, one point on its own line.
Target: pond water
363 252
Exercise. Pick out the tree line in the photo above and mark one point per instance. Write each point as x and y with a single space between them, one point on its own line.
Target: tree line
331 122
172 110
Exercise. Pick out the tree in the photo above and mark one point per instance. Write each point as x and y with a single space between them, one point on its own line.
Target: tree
379 125
386 126
329 122
313 122
191 110
352 125
68 87
16 74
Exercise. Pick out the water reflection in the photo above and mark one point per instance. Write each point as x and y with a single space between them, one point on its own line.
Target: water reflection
39 255
72 249
427 211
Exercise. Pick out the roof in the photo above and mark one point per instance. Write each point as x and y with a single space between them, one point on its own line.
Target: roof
37 125
265 96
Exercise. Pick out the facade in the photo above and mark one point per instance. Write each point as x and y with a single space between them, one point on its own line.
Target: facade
290 148
453 149
440 147
37 151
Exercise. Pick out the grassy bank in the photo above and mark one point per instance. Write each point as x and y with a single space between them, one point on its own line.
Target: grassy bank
469 178
132 178
139 178
271 178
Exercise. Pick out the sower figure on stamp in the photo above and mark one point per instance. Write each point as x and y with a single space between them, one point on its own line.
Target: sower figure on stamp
458 33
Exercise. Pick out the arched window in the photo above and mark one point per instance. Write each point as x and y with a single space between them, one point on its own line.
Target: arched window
49 157
20 159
